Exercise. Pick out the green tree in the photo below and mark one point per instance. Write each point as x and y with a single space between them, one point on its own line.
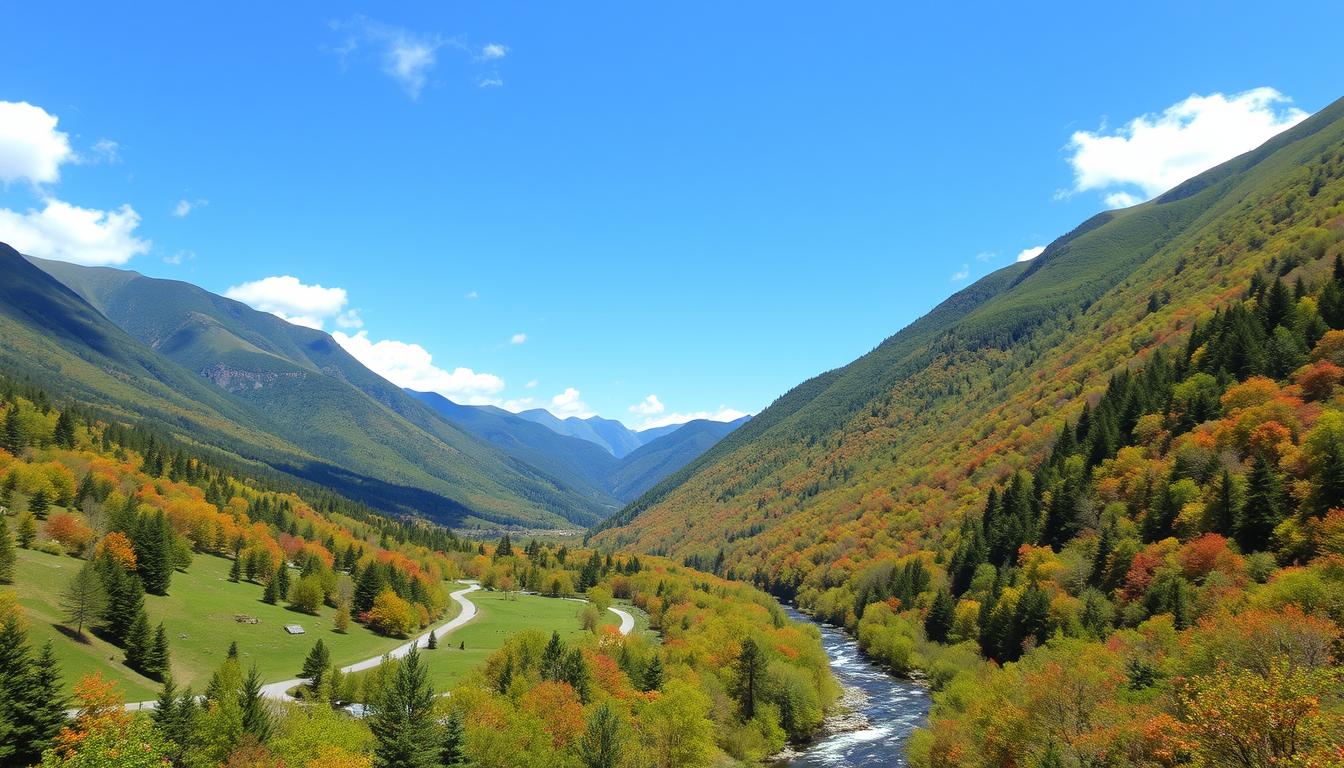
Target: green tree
750 670
39 504
653 674
125 600
678 729
1263 510
941 614
157 659
257 719
153 543
452 746
27 530
84 599
504 548
7 554
315 666
64 434
272 592
403 725
138 645
32 706
13 432
604 738
432 643
236 569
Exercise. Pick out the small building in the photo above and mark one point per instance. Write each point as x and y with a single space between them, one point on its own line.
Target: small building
294 629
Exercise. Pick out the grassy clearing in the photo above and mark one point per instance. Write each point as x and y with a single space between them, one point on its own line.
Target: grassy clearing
199 616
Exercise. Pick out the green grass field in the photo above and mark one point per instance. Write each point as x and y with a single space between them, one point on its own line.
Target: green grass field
498 618
199 616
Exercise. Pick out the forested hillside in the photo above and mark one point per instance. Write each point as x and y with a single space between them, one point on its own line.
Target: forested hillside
1115 470
216 371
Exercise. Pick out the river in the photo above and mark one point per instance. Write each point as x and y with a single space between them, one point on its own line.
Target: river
893 708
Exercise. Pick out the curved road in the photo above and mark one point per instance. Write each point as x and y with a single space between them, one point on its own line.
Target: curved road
280 691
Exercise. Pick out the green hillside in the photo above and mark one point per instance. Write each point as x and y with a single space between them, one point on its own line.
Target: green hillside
375 442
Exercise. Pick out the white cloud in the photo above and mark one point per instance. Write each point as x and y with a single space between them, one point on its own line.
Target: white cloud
1028 254
649 406
724 413
411 365
103 151
405 56
69 233
31 148
961 274
494 51
350 319
518 338
185 207
531 384
1154 152
179 257
986 256
473 295
490 81
290 299
570 403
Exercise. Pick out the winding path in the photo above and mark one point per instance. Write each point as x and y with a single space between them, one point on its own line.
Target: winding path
280 691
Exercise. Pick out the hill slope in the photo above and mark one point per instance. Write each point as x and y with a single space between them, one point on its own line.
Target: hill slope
238 366
899 444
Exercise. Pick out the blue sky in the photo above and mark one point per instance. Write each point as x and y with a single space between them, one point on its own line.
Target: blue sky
582 206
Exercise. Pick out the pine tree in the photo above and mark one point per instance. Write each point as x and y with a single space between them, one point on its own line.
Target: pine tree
153 543
125 600
1225 506
32 705
315 666
64 434
271 594
604 738
504 548
256 715
27 530
452 746
7 554
576 674
433 642
282 579
553 658
236 569
13 432
39 504
750 671
403 724
138 645
1329 491
157 660
84 598
47 702
941 614
1263 509
653 674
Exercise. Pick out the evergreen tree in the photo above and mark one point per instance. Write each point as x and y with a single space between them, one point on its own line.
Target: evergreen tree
84 599
64 434
157 660
941 614
316 665
32 706
139 643
39 504
504 548
1263 510
433 642
602 744
553 658
576 674
282 579
176 717
153 543
27 530
750 672
452 747
236 568
7 554
13 432
1225 506
1031 621
403 723
653 674
125 600
256 715
47 701
271 594
1328 493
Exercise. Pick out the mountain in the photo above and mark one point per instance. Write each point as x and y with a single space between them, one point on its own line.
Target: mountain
670 449
288 394
581 463
899 446
612 435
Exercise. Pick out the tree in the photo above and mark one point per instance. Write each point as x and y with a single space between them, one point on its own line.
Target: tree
316 665
750 669
403 723
12 436
176 716
271 594
941 615
157 659
27 530
39 503
677 728
341 622
604 738
392 615
32 707
104 735
256 715
125 600
7 555
504 548
306 596
236 569
452 747
653 674
84 598
64 434
138 643
433 642
1263 510
282 579
153 542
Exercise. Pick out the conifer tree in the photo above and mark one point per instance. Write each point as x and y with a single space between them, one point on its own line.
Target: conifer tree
750 672
27 532
256 715
125 600
653 674
433 642
315 666
39 504
452 747
236 568
940 617
84 599
153 542
64 434
403 724
157 660
602 744
7 554
1329 490
1263 509
12 436
282 579
139 643
271 594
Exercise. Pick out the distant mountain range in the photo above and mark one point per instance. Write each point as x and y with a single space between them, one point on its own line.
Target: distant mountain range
217 372
588 454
